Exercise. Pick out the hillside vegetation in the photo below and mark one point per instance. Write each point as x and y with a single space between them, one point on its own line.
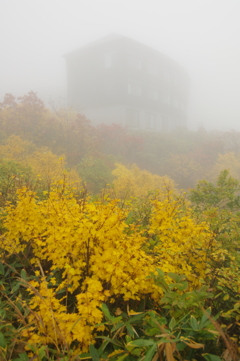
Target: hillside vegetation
116 245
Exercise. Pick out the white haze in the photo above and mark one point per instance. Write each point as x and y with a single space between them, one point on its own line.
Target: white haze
201 35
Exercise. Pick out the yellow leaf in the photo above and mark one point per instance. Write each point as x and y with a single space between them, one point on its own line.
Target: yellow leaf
226 297
194 344
118 311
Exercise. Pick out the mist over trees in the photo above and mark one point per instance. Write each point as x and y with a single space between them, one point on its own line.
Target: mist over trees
184 156
105 239
119 180
116 244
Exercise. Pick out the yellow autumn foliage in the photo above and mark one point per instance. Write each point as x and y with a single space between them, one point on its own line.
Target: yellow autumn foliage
94 255
229 161
16 149
134 182
49 167
180 244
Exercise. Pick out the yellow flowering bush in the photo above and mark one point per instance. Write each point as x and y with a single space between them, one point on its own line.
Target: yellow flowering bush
134 182
50 168
88 254
17 149
47 167
88 247
180 244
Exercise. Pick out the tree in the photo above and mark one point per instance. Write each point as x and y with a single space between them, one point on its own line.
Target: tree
218 204
230 161
133 182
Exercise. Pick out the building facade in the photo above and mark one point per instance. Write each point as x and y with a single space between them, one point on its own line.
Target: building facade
119 80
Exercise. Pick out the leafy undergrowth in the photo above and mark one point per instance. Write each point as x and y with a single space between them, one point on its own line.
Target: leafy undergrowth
151 278
133 270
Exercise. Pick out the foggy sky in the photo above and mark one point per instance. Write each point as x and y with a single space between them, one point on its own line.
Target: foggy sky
201 35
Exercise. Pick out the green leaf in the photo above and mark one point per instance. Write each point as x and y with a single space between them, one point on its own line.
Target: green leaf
2 313
141 343
160 273
172 323
128 338
41 352
114 342
182 286
102 347
136 351
61 291
205 317
173 276
106 312
181 346
121 358
179 286
194 323
115 320
177 278
210 357
84 356
2 341
153 331
24 356
94 353
150 353
16 287
136 318
23 274
130 329
117 326
2 269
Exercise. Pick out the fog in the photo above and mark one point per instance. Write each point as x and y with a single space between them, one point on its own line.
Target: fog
200 35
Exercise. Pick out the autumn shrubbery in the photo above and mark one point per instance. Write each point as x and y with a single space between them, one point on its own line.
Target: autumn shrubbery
80 261
82 253
184 156
135 269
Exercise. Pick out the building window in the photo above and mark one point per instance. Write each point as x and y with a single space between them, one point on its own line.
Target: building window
150 120
132 118
108 60
153 94
134 89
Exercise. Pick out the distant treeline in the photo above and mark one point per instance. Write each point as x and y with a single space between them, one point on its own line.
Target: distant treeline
184 156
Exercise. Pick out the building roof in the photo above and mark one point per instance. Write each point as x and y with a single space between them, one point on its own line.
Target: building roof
114 36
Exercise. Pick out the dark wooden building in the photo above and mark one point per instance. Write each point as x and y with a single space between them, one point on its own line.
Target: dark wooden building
119 80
